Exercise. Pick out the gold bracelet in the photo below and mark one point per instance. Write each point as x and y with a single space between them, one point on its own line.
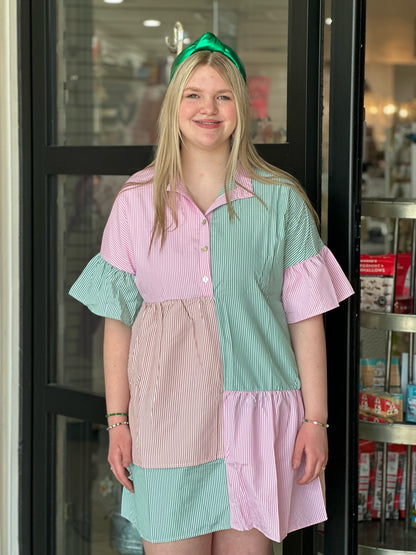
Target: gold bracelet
316 423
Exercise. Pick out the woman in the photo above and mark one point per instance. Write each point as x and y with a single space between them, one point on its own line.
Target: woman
213 257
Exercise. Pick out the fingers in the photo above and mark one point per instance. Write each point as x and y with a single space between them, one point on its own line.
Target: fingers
119 456
313 469
312 444
122 475
297 454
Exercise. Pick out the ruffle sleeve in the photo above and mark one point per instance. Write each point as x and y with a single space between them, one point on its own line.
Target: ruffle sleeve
108 291
314 286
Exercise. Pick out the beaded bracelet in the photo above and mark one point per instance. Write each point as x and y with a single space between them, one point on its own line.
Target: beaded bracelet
316 423
116 414
117 424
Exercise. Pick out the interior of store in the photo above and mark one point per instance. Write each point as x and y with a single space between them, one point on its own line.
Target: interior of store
387 486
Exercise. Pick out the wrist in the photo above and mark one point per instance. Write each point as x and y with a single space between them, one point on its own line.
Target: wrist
116 416
321 423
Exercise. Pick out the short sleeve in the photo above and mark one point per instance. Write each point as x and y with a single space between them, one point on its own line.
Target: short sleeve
313 281
117 247
108 291
314 286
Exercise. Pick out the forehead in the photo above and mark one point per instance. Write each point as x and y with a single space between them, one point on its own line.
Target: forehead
206 75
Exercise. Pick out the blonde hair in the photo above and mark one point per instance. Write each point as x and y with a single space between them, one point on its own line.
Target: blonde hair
167 162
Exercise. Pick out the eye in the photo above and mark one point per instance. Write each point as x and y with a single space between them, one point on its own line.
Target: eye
191 95
224 97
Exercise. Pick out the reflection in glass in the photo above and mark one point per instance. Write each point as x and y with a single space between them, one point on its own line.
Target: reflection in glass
112 71
88 497
84 203
389 157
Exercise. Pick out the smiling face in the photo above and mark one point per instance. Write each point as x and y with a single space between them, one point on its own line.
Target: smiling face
207 111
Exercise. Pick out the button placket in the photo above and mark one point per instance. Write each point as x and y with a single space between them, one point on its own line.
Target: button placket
204 257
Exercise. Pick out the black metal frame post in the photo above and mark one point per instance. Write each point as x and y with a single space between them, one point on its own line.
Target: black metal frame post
345 152
25 312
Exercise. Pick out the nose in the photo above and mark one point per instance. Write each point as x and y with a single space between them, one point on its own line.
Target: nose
209 106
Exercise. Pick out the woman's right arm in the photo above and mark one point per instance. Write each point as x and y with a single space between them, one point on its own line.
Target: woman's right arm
117 337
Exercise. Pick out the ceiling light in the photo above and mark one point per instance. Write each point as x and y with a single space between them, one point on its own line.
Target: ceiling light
328 21
113 1
390 109
403 113
151 23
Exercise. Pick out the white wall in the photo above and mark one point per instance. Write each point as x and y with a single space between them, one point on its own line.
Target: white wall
9 279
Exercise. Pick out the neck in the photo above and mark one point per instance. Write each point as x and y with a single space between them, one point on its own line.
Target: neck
204 175
204 167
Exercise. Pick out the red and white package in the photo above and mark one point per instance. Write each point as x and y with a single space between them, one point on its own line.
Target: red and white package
392 471
366 471
403 302
376 282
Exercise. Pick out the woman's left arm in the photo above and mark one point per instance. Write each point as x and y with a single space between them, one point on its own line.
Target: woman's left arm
308 341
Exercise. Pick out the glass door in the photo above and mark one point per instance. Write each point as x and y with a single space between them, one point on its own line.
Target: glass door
387 439
99 72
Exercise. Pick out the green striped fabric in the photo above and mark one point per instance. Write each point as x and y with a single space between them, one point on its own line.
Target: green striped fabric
254 334
108 291
178 502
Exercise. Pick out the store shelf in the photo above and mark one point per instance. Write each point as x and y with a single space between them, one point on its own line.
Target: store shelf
388 321
389 208
369 539
404 434
382 536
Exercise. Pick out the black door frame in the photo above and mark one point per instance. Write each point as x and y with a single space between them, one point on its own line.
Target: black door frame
41 400
344 199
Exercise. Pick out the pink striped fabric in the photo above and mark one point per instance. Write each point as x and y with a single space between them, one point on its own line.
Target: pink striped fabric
176 385
314 286
262 486
186 253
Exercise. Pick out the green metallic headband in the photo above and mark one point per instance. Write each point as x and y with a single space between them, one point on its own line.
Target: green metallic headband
213 44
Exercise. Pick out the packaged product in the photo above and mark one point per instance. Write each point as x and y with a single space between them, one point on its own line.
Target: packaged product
401 453
403 302
373 371
403 482
366 453
392 507
376 282
381 404
411 403
413 511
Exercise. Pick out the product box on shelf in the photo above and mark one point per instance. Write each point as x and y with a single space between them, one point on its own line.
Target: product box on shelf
379 406
367 451
377 279
411 403
403 303
373 372
376 282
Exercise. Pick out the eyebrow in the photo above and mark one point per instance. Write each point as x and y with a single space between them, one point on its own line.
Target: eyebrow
196 89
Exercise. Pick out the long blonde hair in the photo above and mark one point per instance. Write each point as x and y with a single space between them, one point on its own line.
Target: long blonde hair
167 162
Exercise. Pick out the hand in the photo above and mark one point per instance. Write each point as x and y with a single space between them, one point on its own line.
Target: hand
313 441
119 455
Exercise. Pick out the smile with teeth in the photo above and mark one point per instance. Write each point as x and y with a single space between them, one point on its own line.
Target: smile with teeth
207 123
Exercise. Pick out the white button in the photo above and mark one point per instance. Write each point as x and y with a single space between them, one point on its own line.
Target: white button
205 279
204 248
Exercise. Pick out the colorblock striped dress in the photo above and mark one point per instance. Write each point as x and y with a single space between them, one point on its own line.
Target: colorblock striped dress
215 402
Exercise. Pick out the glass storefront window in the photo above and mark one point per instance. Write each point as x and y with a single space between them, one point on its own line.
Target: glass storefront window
84 204
389 155
112 70
87 520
